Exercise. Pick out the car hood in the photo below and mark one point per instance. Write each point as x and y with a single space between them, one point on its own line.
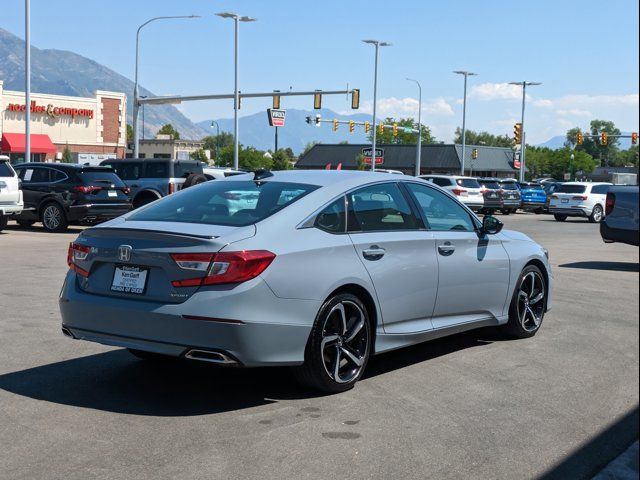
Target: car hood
513 235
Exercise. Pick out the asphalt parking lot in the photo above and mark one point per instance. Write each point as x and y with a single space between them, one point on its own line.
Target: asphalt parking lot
560 405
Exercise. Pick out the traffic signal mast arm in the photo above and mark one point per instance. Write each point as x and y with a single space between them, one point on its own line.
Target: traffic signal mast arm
317 120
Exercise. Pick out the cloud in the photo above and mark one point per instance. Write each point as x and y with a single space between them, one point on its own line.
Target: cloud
574 112
496 91
406 107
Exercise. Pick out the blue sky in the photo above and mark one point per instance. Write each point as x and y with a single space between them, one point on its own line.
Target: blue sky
585 53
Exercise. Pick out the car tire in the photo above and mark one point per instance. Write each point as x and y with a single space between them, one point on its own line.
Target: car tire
53 218
505 211
538 211
338 347
25 223
3 222
144 199
559 218
596 214
528 304
194 179
144 355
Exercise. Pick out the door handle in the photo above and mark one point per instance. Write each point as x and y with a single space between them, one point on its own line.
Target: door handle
446 249
374 252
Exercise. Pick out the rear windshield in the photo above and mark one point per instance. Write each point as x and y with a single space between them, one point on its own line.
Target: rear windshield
532 187
571 189
509 186
98 177
5 170
468 182
490 185
225 203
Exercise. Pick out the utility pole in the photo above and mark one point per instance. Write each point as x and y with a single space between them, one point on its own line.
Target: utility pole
464 117
377 44
524 85
27 80
419 143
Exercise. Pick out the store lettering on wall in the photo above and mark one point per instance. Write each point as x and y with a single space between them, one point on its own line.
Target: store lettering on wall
52 111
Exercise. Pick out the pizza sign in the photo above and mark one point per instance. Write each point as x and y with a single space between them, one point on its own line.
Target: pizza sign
276 117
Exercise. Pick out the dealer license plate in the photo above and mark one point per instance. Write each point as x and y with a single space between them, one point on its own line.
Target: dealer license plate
129 279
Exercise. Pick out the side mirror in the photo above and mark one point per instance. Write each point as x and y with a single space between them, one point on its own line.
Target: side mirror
491 225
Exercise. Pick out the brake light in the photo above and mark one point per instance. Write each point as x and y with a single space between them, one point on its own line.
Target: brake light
172 188
579 197
77 252
611 202
458 191
224 267
126 190
86 188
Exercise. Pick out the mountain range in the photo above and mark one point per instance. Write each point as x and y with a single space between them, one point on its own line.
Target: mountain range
557 142
66 73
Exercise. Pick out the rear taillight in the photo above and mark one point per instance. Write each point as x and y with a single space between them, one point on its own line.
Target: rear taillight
126 190
458 191
172 188
611 202
86 188
77 252
579 197
224 267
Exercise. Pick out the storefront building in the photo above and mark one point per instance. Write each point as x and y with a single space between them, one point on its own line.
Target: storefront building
93 128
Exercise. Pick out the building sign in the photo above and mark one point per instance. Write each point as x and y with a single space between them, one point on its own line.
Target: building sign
516 160
276 117
366 152
52 111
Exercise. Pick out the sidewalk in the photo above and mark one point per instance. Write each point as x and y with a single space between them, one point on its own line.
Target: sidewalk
625 467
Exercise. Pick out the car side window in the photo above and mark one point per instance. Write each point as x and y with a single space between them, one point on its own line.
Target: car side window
380 207
600 189
156 170
442 182
57 175
332 218
39 175
126 170
442 213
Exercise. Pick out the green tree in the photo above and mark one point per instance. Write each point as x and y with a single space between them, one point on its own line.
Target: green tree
482 138
249 158
219 141
129 133
360 165
308 147
628 158
282 160
402 138
67 157
200 154
606 154
169 130
543 161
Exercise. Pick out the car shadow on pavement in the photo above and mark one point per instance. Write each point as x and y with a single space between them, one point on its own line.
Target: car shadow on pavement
595 454
40 229
597 265
115 381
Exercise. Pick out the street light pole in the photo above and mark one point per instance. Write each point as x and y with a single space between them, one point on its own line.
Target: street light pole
377 44
213 122
27 80
524 86
464 117
136 106
419 143
236 101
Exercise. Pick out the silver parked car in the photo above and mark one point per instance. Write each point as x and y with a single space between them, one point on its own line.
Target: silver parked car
320 270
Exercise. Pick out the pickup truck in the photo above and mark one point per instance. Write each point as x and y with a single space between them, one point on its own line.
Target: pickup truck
620 223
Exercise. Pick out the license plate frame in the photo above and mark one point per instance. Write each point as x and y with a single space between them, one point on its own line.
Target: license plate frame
131 285
112 193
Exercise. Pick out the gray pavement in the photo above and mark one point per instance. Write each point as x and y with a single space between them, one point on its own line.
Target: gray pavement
560 405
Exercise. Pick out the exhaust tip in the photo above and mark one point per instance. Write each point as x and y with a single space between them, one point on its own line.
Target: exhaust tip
211 357
67 333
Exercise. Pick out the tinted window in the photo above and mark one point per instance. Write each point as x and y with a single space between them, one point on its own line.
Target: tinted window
468 182
443 182
126 170
571 189
184 169
529 186
490 185
380 207
156 170
37 175
5 170
509 186
441 212
600 189
224 203
92 177
332 218
58 176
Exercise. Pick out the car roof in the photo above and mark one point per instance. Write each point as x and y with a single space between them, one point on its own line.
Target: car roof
63 166
587 183
344 178
189 160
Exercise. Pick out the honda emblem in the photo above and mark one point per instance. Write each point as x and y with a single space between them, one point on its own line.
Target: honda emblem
124 253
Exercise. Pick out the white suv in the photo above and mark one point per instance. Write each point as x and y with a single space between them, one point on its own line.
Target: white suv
10 194
467 189
579 199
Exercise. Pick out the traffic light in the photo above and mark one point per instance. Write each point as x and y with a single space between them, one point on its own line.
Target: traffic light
381 128
367 127
276 101
352 126
634 138
579 138
355 99
335 125
604 139
317 100
517 133
394 129
474 153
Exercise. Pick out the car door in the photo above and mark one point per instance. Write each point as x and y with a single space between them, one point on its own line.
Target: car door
397 252
598 195
35 181
473 270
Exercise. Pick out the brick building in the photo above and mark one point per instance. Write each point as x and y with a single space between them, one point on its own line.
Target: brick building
93 128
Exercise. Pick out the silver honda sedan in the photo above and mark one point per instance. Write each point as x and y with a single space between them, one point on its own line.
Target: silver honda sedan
318 270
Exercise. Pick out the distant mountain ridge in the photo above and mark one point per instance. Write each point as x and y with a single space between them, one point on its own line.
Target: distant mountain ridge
50 73
557 142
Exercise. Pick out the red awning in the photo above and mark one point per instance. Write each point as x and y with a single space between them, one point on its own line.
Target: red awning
15 142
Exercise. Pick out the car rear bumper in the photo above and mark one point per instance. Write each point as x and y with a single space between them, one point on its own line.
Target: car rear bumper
532 205
95 213
570 211
472 204
11 209
511 203
618 235
247 323
492 203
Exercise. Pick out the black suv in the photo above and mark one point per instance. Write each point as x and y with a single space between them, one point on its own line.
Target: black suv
58 194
